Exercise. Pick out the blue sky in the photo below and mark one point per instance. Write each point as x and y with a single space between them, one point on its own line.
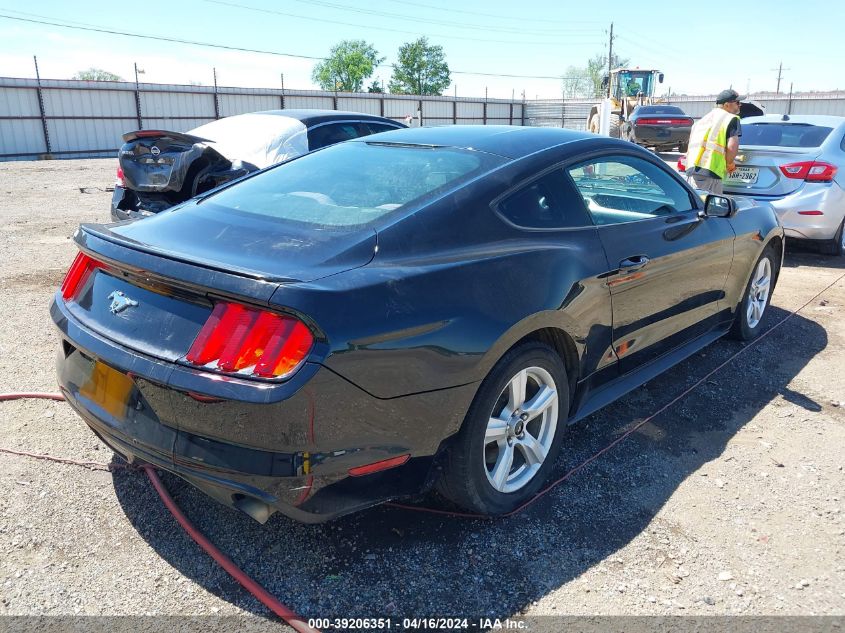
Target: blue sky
483 40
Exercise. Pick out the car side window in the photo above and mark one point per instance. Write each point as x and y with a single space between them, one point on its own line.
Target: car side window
375 128
618 189
325 135
544 203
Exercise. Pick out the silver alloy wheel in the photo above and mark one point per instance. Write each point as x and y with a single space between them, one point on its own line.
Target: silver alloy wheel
521 429
758 292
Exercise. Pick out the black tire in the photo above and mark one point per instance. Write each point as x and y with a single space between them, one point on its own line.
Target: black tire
467 478
615 126
836 246
746 328
683 146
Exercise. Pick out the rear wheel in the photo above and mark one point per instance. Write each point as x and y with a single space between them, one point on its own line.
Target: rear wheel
757 296
683 146
836 246
512 433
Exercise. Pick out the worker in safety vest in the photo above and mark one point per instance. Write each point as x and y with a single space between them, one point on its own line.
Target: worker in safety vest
714 143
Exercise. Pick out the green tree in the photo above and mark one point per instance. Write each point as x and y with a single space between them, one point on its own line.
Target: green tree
421 69
597 70
97 74
376 86
350 62
577 83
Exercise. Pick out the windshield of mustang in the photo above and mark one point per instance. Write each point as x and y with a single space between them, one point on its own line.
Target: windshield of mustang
353 184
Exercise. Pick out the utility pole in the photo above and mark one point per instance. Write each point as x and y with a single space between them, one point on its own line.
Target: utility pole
780 70
609 59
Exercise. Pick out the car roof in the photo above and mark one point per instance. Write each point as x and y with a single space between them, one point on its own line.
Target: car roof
313 117
510 141
825 120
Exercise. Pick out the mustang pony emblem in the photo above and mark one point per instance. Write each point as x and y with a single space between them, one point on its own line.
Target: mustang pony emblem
119 302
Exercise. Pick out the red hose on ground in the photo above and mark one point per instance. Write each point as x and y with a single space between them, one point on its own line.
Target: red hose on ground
224 561
38 396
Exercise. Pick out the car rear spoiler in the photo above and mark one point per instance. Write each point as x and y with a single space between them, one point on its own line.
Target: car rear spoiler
181 136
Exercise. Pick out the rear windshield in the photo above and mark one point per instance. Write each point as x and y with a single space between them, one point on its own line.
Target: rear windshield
660 110
784 134
354 183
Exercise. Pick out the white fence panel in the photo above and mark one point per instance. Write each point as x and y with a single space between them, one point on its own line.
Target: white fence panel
309 101
76 135
175 125
357 104
239 104
156 104
470 110
89 103
19 102
24 136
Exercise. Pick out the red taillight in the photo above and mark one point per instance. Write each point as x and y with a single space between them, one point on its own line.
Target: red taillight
809 170
119 180
663 122
236 338
78 274
810 213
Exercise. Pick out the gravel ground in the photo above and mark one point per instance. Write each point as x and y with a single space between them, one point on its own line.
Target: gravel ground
730 502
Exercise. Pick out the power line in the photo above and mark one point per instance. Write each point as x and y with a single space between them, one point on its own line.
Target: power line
381 28
520 18
450 23
160 38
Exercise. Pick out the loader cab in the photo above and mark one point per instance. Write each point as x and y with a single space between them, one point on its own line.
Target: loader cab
627 83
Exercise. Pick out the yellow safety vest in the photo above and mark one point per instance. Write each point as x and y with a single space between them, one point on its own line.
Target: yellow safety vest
708 142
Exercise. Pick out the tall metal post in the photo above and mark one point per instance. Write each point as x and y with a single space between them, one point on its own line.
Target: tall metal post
216 101
41 107
789 103
485 105
283 91
138 100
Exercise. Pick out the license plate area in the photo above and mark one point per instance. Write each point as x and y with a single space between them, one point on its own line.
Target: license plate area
744 175
108 388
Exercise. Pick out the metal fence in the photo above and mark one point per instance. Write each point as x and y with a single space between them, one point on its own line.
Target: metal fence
572 113
73 119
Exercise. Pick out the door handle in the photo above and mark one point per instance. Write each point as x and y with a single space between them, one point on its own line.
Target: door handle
633 263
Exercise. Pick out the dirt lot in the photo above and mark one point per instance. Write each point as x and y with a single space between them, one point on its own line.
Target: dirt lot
729 502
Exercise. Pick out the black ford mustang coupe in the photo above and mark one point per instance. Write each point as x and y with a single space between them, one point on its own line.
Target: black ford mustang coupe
415 308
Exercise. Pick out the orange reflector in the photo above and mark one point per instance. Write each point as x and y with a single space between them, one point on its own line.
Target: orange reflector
377 466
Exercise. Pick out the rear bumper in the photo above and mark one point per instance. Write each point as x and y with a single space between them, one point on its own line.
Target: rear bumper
829 198
291 455
660 136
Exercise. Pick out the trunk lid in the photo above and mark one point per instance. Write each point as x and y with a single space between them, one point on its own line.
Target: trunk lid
259 247
758 170
160 160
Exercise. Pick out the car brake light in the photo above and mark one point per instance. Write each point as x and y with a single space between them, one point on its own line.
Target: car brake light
78 273
811 171
119 181
810 213
149 133
239 339
663 122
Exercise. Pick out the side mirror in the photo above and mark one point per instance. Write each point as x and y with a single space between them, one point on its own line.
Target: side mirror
660 78
716 206
604 81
